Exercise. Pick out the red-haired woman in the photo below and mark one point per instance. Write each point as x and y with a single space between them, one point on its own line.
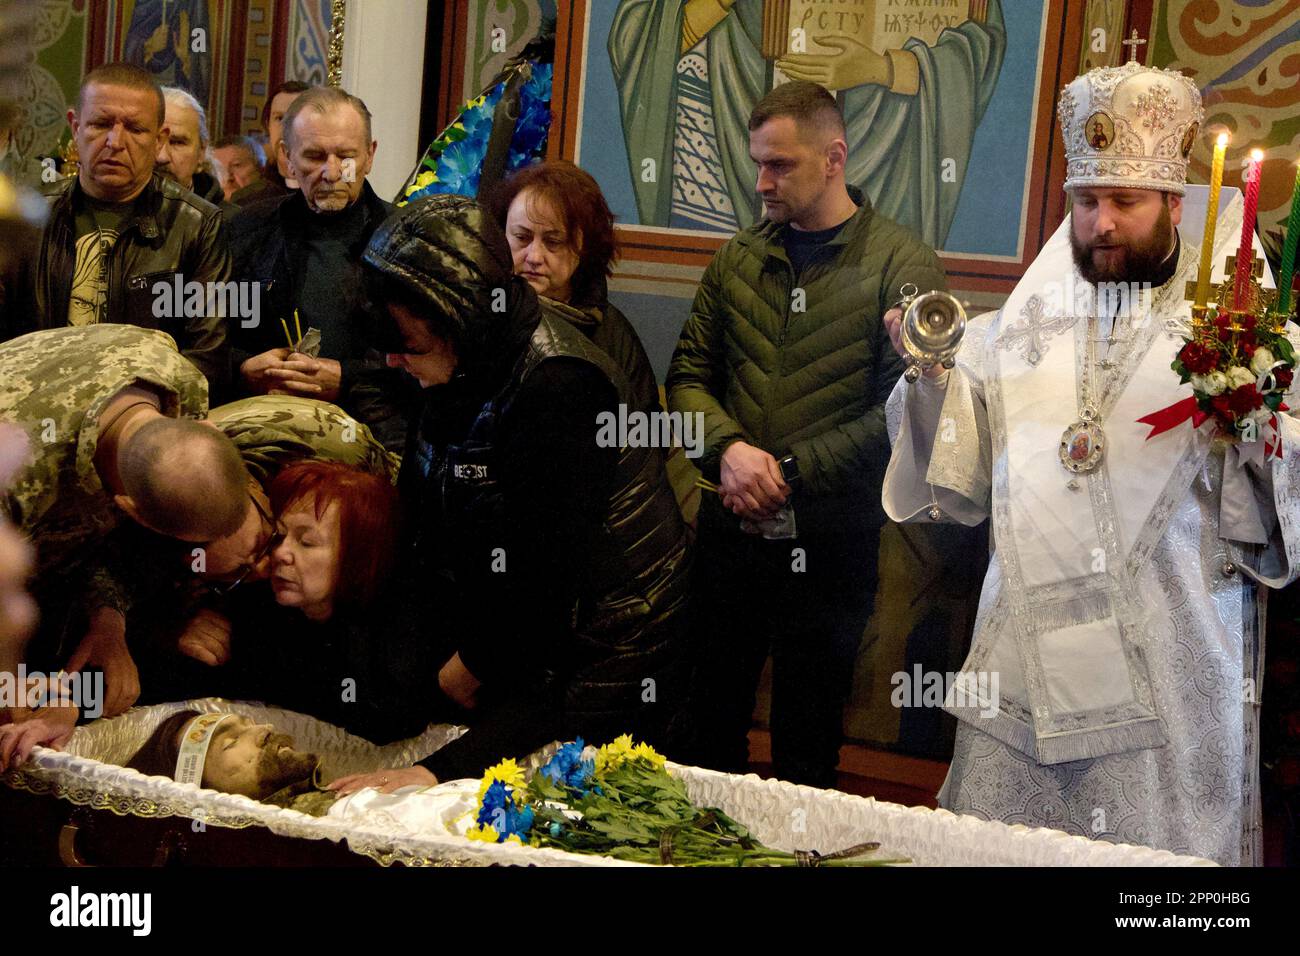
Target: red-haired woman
561 236
324 647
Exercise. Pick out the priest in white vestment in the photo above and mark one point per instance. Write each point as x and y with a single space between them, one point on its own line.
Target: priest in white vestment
1122 612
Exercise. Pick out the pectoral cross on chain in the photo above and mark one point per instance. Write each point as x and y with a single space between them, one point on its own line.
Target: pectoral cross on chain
1029 336
1132 43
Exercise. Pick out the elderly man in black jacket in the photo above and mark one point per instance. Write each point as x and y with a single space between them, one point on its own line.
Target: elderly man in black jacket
304 250
118 231
568 557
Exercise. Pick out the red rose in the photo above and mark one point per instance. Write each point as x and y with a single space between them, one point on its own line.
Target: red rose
1244 398
1222 405
1248 322
1282 377
1197 358
1221 320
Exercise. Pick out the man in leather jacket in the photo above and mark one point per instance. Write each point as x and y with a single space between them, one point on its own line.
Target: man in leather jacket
118 229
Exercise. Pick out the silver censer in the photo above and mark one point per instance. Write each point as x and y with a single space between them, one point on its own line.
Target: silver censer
933 326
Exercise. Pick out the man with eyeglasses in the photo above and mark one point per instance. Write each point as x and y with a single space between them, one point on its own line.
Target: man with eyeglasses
179 612
110 413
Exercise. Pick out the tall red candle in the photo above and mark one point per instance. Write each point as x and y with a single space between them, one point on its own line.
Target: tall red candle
1246 251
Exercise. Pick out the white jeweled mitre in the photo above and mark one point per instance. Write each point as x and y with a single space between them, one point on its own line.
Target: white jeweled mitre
1130 126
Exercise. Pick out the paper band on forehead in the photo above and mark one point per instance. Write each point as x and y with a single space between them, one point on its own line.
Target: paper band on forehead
195 739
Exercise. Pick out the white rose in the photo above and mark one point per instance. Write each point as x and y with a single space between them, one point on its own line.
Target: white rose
1238 376
1214 383
1262 361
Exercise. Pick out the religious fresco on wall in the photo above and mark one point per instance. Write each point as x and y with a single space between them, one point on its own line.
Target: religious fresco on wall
309 37
496 30
181 42
174 41
939 98
48 85
1243 57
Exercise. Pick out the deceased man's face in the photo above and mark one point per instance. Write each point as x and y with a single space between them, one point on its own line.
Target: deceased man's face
254 760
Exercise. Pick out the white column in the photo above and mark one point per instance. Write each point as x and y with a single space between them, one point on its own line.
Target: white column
383 63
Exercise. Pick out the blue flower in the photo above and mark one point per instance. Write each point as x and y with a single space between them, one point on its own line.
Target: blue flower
477 120
531 130
502 814
460 166
568 769
539 86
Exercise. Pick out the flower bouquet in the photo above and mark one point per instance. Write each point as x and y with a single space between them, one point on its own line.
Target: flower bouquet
453 163
621 801
1239 370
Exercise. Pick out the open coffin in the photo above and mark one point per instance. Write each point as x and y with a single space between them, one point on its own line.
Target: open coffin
779 814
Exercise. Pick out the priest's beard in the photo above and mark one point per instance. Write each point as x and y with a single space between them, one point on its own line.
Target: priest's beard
1141 261
278 768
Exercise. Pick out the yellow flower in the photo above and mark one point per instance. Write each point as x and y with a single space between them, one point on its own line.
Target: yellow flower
613 754
487 833
424 179
648 753
509 773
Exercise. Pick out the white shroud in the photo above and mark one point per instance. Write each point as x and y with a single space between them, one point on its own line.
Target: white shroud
1121 616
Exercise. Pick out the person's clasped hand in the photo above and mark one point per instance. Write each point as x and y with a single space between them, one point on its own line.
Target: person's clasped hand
752 486
285 372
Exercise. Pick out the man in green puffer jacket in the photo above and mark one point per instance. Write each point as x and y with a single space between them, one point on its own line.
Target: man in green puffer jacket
786 356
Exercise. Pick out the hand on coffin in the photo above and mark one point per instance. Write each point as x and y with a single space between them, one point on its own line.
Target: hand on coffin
385 781
52 729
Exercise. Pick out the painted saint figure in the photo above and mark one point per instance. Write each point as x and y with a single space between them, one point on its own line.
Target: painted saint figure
688 73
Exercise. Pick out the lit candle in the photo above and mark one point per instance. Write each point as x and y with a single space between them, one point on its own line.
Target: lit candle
1246 251
1211 220
1288 250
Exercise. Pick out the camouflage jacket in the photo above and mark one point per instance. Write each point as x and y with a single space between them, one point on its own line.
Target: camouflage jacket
272 431
54 384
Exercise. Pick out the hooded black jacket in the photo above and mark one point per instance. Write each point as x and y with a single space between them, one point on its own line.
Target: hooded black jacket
571 559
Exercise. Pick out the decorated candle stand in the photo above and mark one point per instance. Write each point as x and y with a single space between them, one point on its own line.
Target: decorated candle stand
1236 354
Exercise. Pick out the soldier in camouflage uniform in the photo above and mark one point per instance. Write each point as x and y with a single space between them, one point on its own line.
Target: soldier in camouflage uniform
56 385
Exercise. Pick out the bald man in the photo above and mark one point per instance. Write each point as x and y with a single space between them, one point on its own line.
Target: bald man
110 415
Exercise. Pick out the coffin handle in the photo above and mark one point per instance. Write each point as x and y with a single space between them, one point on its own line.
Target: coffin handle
68 854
